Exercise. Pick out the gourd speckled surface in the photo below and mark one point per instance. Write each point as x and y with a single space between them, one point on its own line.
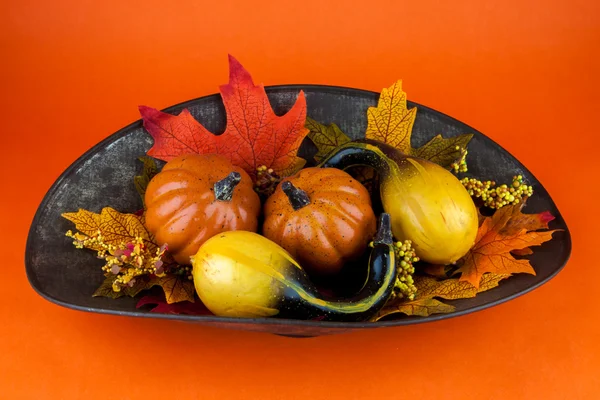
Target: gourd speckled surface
322 217
245 275
195 197
427 203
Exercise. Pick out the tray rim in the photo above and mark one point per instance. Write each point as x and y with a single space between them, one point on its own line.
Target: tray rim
211 319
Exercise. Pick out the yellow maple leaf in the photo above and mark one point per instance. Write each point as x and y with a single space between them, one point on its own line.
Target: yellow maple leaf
429 289
115 227
391 121
85 221
118 229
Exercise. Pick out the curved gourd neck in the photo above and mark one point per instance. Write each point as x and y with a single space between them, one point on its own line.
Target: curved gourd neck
379 284
354 154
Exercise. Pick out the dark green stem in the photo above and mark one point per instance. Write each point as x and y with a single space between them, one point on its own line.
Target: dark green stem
224 187
298 197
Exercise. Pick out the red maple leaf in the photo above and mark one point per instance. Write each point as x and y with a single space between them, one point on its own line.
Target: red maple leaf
254 136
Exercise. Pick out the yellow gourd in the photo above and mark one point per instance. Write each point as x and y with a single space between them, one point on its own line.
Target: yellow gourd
427 204
245 275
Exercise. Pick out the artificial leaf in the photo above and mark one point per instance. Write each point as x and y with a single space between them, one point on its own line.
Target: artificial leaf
115 227
443 151
85 221
419 307
106 289
184 307
452 289
429 288
254 135
141 181
177 288
140 284
392 122
499 235
531 222
325 137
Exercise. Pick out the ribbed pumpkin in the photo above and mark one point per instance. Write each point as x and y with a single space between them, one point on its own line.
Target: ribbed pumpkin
322 217
195 197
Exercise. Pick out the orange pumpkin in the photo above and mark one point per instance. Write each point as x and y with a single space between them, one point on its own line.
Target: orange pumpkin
195 197
322 217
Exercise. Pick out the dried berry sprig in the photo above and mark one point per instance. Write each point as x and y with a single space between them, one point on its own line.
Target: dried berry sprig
266 181
492 196
126 261
498 196
405 285
460 165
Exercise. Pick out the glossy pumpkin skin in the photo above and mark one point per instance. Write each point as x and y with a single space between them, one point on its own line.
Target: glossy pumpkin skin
426 202
333 228
245 275
183 211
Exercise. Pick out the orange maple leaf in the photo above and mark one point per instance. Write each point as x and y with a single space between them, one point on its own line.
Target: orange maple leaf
254 136
507 231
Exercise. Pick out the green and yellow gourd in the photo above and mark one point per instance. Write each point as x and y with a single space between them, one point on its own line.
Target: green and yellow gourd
243 274
427 204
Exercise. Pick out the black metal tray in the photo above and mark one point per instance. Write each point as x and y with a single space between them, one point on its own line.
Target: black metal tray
103 176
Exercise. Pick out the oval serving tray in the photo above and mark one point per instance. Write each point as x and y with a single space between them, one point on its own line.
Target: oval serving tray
103 176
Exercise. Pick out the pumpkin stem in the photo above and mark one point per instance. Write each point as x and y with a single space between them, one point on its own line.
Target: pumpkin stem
298 197
224 187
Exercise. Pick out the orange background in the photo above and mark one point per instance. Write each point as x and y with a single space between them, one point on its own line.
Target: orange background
523 72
